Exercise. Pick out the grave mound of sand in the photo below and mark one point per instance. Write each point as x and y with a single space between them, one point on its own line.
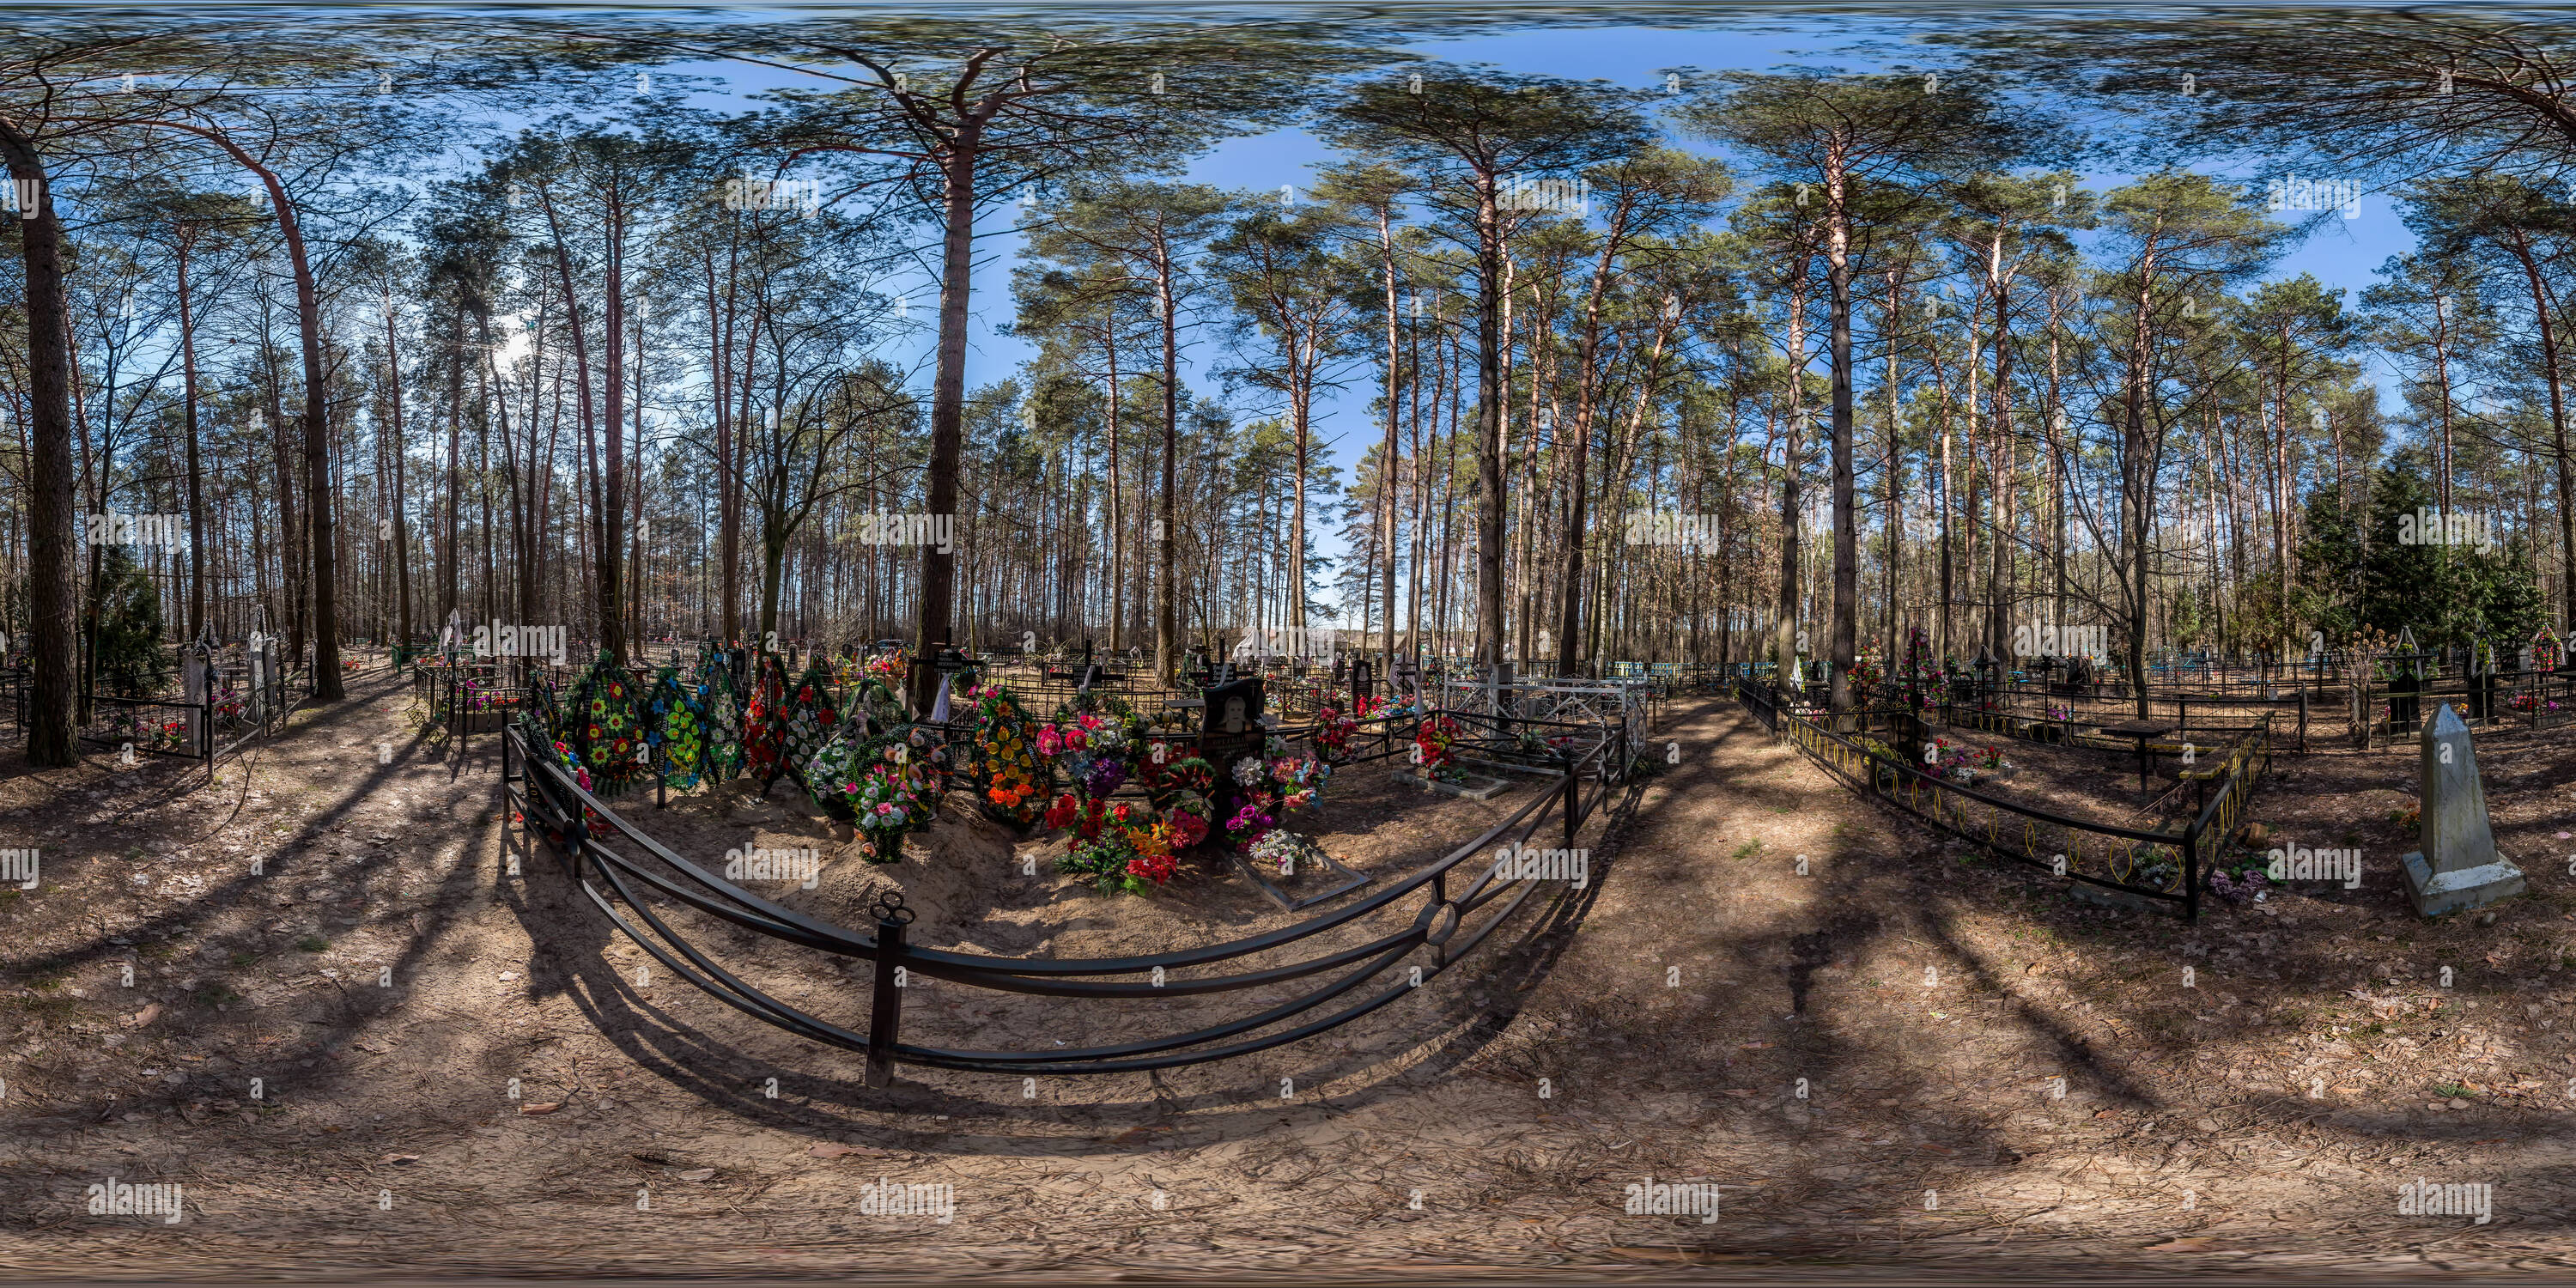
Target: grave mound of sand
978 886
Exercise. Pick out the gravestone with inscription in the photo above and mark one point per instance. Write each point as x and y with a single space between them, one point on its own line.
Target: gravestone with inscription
2458 867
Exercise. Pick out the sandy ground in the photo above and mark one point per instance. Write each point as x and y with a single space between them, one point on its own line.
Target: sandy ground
1661 1024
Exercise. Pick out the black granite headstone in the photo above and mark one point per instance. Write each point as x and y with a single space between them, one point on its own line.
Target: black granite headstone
1230 729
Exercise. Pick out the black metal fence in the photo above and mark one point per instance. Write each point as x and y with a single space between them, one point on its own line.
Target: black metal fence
459 695
2165 863
2331 699
235 701
151 727
1416 928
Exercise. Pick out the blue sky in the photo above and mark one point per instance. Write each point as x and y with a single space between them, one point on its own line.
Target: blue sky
2345 255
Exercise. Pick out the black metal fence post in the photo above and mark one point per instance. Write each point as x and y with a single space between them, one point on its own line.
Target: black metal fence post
885 1008
2191 864
1573 802
205 714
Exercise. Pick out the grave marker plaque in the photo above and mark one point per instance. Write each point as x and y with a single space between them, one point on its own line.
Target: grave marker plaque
1233 709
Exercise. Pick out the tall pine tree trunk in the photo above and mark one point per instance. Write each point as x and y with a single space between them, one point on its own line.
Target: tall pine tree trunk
51 543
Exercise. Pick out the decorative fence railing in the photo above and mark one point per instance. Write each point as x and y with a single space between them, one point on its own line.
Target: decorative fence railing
152 727
2165 863
1407 933
2316 699
2066 722
461 695
228 696
2386 707
1625 704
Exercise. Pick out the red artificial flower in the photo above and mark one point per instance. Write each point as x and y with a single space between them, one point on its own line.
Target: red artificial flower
1063 812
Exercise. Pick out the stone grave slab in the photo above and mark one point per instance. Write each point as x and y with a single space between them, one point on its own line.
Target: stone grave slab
1474 787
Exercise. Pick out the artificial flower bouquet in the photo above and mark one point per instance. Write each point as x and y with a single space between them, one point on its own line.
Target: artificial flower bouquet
1166 769
607 732
764 724
1119 847
1286 853
1006 756
889 805
887 668
1434 748
1333 734
676 730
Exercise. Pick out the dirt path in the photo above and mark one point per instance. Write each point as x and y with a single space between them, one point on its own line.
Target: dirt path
1657 1029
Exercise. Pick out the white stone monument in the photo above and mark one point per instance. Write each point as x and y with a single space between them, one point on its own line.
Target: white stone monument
2458 867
